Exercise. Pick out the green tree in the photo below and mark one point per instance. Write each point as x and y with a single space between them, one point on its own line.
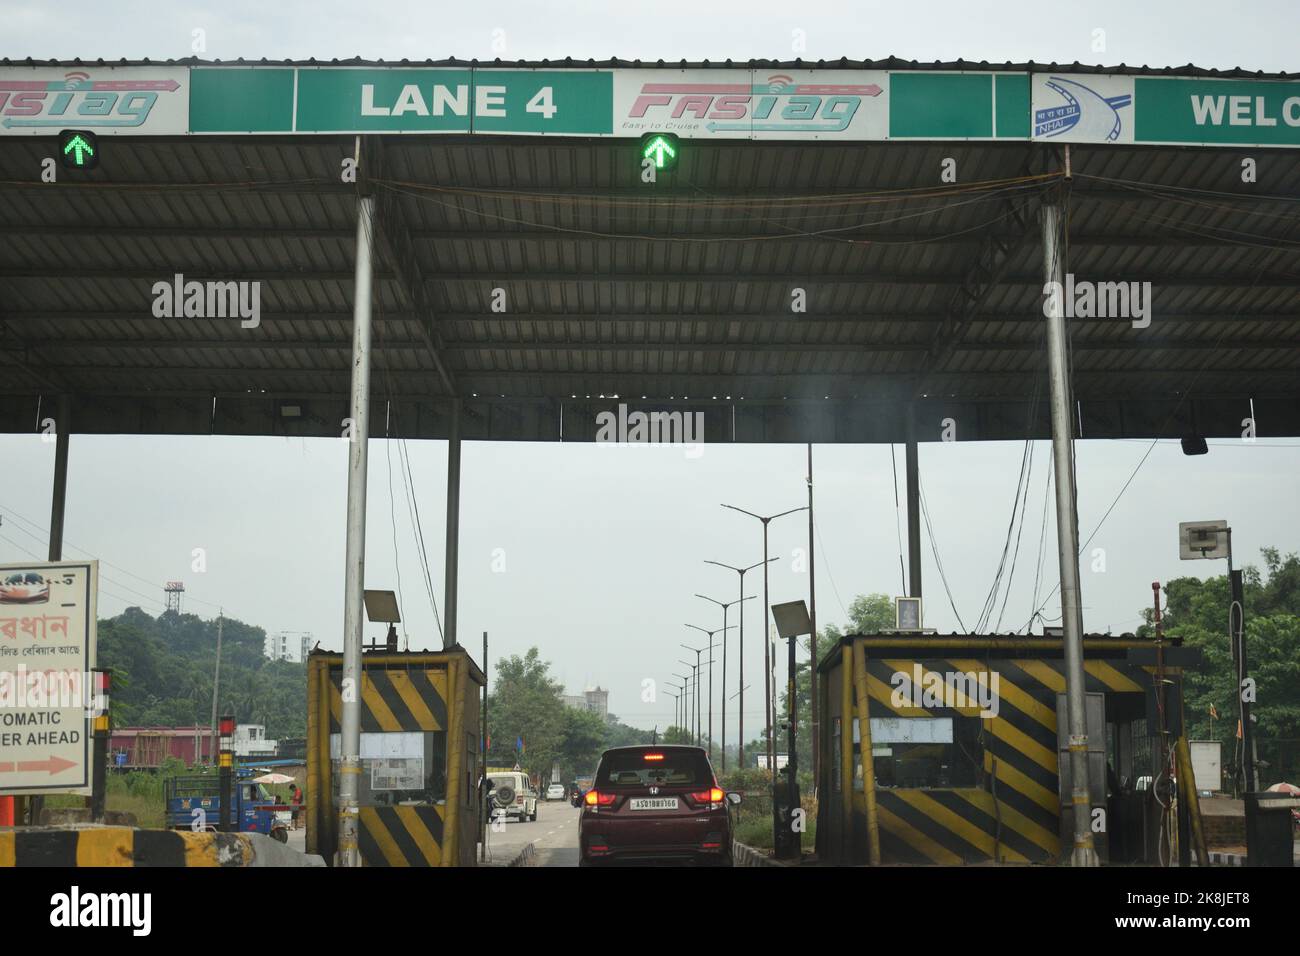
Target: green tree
162 673
525 705
678 735
1197 612
582 738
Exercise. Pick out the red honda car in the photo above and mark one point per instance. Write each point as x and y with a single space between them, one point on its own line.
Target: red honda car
656 805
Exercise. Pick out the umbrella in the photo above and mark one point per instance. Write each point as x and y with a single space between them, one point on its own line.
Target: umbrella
272 778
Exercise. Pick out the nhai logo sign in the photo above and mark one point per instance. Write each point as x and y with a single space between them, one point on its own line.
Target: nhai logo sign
1082 113
76 99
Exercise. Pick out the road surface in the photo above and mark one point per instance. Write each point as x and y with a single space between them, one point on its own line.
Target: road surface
554 837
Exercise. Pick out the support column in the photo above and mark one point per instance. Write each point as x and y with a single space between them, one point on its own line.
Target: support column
62 430
453 528
31 811
913 508
354 577
1067 534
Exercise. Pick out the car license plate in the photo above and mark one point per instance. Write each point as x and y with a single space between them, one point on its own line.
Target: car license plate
654 803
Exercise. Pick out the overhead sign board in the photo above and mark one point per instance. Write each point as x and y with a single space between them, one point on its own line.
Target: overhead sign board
47 650
745 103
752 104
402 100
142 101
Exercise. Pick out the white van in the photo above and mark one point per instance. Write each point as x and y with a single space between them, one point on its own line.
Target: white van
513 795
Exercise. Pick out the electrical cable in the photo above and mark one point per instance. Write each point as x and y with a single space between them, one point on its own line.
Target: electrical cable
934 549
403 454
392 520
898 528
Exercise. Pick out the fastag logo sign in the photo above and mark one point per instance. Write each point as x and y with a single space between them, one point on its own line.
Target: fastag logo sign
749 103
40 102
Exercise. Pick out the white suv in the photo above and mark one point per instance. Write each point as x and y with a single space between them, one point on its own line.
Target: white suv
513 796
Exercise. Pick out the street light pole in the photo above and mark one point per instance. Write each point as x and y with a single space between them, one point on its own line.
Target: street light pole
815 716
710 649
724 606
767 612
698 691
686 697
694 684
740 681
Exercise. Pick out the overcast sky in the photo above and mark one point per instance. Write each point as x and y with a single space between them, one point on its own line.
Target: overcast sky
603 549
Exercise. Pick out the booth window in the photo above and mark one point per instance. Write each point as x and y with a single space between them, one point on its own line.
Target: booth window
404 767
922 753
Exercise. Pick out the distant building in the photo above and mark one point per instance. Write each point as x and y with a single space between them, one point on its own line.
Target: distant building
280 647
148 747
277 647
250 741
594 700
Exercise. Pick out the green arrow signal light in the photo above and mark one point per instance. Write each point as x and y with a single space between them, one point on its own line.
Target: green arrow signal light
661 149
80 149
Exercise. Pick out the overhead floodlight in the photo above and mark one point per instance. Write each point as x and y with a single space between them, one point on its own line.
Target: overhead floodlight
792 619
381 607
1202 539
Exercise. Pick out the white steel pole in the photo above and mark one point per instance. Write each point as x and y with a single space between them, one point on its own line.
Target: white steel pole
354 574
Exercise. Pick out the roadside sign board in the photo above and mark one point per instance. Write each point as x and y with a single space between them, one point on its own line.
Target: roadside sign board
47 650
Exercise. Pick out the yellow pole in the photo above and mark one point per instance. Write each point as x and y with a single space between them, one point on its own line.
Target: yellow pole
846 754
455 747
1187 791
864 738
313 757
326 835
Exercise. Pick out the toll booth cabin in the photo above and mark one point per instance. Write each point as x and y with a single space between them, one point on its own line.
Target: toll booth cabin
420 757
970 761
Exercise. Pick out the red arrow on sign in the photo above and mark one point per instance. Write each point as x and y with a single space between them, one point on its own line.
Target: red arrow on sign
53 765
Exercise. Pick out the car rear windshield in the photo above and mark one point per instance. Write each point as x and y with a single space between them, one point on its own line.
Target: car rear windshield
685 768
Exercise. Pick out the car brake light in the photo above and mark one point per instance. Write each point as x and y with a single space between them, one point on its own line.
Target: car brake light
597 799
654 756
715 795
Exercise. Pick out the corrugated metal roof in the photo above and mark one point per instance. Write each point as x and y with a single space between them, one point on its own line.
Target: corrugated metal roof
681 291
843 63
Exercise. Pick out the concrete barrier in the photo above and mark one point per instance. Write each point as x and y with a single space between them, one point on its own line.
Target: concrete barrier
95 846
71 816
525 856
744 855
